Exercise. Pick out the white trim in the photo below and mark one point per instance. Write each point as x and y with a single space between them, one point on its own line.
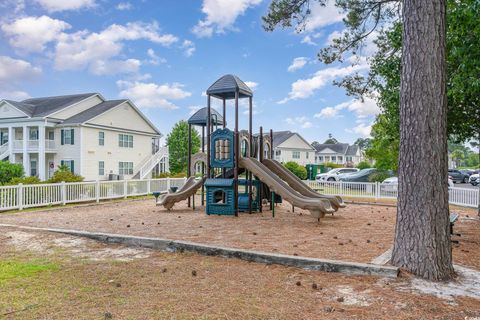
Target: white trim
88 125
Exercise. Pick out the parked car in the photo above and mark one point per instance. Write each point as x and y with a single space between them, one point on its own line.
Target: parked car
360 176
457 176
475 179
450 182
389 184
467 172
334 174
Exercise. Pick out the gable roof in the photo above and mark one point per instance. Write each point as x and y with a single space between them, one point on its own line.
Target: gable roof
94 111
40 107
352 150
226 86
280 137
336 147
200 117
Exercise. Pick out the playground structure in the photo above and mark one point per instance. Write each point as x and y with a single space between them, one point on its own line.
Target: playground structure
230 154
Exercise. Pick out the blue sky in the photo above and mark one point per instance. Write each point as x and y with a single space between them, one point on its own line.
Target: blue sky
163 55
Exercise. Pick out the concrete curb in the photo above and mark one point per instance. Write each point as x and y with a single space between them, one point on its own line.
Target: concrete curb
351 268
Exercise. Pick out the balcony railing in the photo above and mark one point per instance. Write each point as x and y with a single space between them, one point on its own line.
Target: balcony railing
33 145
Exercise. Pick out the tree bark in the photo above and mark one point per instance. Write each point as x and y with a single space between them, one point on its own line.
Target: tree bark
422 238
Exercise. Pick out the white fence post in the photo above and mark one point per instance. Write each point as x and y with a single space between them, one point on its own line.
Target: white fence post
341 188
64 193
377 190
168 184
20 196
149 187
125 189
97 191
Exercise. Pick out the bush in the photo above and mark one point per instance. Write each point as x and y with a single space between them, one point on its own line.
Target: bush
379 176
25 180
331 165
363 165
64 174
9 171
296 169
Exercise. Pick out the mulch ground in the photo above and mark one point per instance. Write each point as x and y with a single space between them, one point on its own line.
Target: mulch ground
159 285
357 233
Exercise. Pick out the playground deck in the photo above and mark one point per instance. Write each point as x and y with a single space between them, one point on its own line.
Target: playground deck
357 233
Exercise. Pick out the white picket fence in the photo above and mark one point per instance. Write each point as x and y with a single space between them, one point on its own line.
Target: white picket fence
40 195
375 190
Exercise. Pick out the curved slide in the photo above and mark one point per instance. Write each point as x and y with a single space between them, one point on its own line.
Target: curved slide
187 190
318 207
298 184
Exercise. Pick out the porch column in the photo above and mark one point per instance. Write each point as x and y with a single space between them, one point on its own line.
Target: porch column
11 139
41 153
26 156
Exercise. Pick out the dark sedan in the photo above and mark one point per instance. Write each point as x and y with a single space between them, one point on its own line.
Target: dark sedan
458 176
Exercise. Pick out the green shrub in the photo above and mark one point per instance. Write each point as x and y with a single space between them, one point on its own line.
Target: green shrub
331 165
9 171
296 169
25 180
379 176
64 174
363 165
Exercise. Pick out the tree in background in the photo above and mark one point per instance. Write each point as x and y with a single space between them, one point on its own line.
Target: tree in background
315 144
9 171
423 207
177 142
331 140
296 169
363 143
363 165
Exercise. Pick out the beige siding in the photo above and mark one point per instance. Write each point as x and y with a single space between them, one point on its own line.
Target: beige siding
123 116
295 144
69 152
111 153
77 108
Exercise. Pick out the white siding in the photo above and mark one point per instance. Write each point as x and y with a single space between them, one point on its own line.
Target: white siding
7 111
68 152
77 108
110 152
295 144
123 116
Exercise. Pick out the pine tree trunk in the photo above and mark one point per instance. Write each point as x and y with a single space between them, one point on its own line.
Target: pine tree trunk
422 238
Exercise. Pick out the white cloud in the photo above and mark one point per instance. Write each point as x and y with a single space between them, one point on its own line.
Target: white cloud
85 50
308 40
301 121
362 129
63 5
154 59
194 109
297 63
334 35
108 67
221 15
15 95
31 34
251 84
304 88
321 16
189 47
152 95
361 109
13 70
124 6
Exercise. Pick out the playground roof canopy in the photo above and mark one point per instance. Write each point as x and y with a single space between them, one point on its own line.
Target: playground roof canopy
226 86
200 118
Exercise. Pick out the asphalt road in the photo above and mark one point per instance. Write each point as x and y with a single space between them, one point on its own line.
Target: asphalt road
465 185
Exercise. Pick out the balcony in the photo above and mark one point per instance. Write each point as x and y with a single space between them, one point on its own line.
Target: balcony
33 146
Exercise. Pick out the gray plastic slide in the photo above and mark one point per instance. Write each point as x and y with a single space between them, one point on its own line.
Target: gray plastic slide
318 207
299 186
187 190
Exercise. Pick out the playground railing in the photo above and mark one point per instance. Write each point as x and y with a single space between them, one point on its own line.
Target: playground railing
43 195
376 190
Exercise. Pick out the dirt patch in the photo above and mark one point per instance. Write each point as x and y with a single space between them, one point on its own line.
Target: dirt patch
78 247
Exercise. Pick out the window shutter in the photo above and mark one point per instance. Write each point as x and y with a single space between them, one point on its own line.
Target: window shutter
72 136
62 138
61 162
72 166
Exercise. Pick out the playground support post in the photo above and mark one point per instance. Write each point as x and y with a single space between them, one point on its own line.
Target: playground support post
271 144
203 164
208 135
273 204
260 150
235 171
250 153
189 158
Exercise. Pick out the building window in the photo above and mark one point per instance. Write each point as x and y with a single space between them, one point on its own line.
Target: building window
306 155
33 168
278 152
68 164
320 158
67 136
296 154
101 138
125 140
340 158
349 159
101 168
51 135
125 168
334 158
33 134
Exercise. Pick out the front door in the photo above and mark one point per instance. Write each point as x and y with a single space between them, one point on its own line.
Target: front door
51 168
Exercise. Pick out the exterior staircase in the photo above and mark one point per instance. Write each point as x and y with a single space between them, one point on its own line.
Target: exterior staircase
4 151
146 166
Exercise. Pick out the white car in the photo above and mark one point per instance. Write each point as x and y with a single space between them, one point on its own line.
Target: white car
474 179
333 174
390 184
